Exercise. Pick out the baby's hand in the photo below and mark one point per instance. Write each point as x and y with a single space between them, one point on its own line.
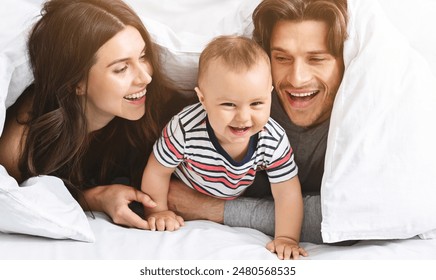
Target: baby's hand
286 248
165 220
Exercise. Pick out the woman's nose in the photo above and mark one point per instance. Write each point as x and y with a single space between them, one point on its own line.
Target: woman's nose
143 75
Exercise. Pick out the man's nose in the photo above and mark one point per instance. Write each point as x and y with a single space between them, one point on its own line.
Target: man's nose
298 74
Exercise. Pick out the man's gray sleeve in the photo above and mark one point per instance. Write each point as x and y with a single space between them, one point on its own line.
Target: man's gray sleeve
258 213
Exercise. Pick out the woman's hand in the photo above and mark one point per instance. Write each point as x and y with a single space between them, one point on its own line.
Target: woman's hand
114 200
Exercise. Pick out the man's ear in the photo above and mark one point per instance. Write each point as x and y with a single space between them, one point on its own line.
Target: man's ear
199 95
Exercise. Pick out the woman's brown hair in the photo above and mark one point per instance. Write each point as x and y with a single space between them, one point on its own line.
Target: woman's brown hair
62 48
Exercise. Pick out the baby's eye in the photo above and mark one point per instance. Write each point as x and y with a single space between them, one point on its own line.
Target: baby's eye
228 104
257 103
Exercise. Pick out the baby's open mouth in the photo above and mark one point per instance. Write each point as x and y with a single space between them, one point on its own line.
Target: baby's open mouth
239 129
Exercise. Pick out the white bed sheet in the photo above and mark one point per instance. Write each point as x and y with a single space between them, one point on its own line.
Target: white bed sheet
199 240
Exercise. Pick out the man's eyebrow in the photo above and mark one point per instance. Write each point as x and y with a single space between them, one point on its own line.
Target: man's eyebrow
319 52
279 49
123 59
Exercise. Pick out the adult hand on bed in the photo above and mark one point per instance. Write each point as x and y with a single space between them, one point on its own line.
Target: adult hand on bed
165 220
114 200
286 248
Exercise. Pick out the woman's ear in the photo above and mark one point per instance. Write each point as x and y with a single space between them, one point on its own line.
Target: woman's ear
199 95
80 89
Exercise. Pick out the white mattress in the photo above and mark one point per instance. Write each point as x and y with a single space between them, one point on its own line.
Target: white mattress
198 240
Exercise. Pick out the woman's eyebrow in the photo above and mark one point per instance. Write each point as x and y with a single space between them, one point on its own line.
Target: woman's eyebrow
117 61
124 59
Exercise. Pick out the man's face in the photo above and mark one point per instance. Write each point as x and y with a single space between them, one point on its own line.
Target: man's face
306 75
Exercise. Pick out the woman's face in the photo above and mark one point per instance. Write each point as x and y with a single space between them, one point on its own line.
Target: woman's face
117 82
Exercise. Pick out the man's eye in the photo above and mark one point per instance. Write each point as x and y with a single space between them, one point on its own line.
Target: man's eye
281 58
317 59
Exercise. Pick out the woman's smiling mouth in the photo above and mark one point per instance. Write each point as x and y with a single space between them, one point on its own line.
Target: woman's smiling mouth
135 96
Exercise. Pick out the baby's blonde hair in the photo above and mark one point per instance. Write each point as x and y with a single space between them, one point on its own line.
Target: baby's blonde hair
238 53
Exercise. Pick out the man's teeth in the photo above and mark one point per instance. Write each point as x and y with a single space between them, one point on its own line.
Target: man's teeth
135 96
303 94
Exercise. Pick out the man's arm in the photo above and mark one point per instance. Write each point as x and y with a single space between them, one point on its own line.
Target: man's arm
256 213
193 205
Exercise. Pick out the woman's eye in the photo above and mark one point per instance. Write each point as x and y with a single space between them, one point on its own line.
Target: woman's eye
120 70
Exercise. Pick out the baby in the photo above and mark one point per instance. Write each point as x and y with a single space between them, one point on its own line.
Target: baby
217 145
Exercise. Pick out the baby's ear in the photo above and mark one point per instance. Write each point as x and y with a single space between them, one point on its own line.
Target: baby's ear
199 95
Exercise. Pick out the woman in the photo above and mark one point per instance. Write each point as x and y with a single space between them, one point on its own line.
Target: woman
92 113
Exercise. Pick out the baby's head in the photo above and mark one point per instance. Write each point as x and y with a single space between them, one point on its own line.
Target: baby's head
235 53
234 86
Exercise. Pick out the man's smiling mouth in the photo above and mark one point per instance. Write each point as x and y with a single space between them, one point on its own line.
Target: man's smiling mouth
303 96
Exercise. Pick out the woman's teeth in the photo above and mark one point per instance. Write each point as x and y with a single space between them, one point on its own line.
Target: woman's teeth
135 96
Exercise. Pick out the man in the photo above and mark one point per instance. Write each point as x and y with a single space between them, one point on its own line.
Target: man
304 39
